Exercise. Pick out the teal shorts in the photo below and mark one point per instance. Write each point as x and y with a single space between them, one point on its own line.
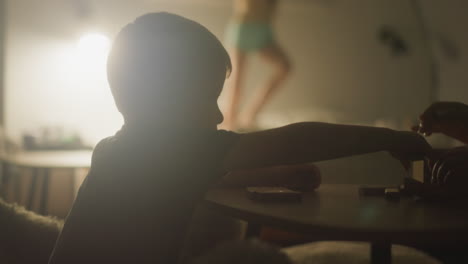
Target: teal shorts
249 36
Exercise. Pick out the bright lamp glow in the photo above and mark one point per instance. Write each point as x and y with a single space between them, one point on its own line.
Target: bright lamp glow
69 83
92 51
91 92
94 44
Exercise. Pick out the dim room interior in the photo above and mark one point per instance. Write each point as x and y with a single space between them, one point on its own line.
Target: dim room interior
55 101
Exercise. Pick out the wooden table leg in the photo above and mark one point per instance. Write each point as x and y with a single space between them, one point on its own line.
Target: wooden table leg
3 173
73 184
4 179
381 253
44 192
32 188
253 230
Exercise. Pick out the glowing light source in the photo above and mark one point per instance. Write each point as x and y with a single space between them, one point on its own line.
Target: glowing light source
92 51
94 44
89 87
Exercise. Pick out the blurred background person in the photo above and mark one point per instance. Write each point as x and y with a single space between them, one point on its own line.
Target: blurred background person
250 32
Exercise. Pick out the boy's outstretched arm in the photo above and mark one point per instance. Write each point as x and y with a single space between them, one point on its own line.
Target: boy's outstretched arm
310 141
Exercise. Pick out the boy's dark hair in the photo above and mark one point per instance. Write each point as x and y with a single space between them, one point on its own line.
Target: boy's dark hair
159 58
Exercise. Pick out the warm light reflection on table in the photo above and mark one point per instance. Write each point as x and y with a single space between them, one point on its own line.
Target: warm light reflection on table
50 159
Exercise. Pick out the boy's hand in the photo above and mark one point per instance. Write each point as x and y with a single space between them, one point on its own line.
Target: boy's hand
449 118
451 168
408 146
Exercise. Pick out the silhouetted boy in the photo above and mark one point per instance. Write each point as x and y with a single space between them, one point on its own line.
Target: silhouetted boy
166 73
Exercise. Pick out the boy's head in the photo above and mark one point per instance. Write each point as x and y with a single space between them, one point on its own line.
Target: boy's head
163 67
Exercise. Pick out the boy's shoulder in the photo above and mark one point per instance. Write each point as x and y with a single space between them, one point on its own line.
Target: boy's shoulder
104 147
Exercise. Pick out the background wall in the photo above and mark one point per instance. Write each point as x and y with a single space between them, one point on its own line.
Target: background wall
3 21
342 73
447 20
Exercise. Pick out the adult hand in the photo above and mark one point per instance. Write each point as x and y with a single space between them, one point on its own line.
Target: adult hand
449 118
451 168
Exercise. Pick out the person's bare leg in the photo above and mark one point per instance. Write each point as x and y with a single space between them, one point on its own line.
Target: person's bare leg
239 59
278 58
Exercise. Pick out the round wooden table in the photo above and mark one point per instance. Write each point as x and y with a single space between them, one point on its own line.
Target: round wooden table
338 212
41 163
